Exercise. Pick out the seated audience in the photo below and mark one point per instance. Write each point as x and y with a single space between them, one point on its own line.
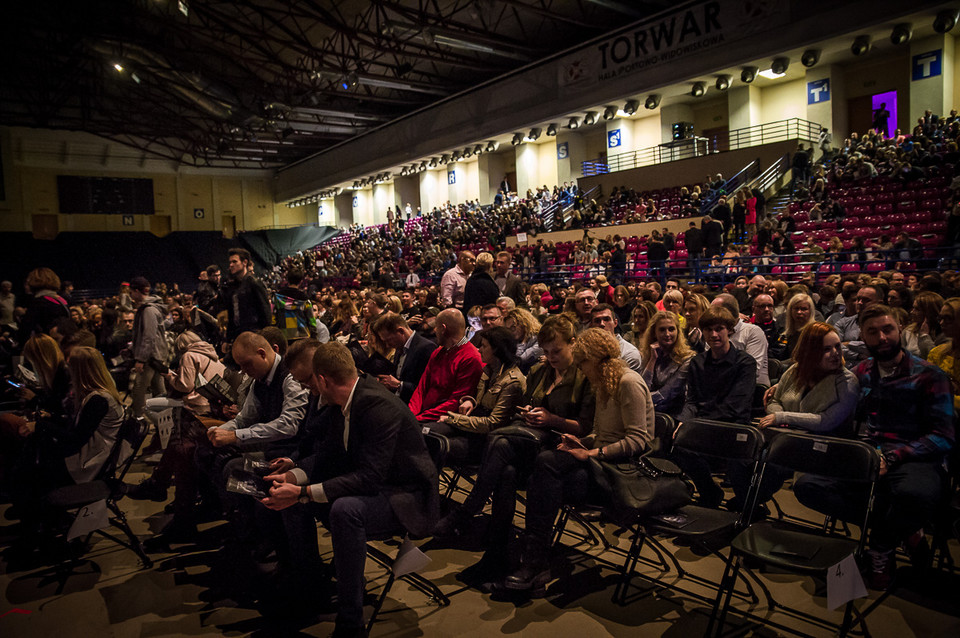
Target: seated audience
411 352
799 316
923 332
720 385
605 318
524 327
666 360
906 410
452 371
945 356
623 427
746 336
693 307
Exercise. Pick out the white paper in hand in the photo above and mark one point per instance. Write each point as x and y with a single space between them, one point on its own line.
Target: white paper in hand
89 519
844 583
165 426
409 559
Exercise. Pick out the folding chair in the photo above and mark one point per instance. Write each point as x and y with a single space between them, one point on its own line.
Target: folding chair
437 445
108 486
696 524
797 548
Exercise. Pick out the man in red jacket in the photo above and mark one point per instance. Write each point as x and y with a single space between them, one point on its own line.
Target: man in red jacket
452 371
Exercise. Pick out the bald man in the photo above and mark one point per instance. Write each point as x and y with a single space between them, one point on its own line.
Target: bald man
452 371
454 281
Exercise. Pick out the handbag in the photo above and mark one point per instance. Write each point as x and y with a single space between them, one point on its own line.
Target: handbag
641 487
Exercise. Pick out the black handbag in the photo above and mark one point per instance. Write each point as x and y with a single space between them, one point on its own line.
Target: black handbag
641 487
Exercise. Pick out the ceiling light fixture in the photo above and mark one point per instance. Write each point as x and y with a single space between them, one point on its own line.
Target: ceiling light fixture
652 101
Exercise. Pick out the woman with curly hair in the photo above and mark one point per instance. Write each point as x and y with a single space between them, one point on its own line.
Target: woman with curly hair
666 359
623 427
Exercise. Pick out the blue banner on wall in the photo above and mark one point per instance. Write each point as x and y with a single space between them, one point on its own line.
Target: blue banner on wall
613 139
818 91
927 65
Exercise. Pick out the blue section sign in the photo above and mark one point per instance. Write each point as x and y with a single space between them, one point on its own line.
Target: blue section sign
452 177
563 150
613 139
356 202
927 65
818 91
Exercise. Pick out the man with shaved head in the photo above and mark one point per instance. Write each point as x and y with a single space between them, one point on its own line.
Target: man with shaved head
454 281
452 371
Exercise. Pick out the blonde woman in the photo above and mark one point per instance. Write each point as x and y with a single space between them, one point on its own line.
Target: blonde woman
537 292
46 359
642 313
799 315
622 428
524 327
693 306
666 359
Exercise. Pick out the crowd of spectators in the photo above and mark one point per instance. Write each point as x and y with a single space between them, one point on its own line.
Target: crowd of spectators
532 383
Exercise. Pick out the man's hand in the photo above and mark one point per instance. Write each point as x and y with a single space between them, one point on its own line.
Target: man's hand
282 496
26 428
281 465
138 367
220 437
389 381
883 465
281 477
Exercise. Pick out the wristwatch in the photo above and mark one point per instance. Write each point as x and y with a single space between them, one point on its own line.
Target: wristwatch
304 494
600 455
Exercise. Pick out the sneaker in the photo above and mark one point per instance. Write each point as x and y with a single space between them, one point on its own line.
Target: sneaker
881 564
147 490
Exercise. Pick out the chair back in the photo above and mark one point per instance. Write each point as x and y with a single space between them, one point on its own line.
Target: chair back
717 439
757 410
663 428
841 459
132 433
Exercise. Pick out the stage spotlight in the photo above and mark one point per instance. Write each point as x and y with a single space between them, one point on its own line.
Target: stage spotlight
534 134
748 74
631 106
652 101
946 20
699 88
609 112
478 149
810 57
467 152
901 33
779 65
723 82
551 129
492 146
574 123
590 118
861 45
517 139
433 162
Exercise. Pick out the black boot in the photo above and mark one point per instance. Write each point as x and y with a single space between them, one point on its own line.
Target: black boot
534 572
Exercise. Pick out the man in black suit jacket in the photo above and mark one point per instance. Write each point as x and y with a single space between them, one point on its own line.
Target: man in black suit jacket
384 483
411 354
510 285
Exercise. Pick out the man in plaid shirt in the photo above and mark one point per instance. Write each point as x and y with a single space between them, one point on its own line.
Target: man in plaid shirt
906 411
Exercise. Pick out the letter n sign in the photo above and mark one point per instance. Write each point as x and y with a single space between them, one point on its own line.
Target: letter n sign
818 91
927 65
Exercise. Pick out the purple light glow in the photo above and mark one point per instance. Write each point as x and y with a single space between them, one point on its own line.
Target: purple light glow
890 99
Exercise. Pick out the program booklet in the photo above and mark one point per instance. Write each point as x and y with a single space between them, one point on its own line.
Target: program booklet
216 389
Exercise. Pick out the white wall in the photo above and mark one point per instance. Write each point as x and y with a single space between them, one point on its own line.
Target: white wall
784 101
383 198
327 212
528 171
547 169
646 132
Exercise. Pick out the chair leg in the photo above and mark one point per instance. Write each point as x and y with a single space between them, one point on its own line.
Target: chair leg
382 597
120 522
724 592
629 564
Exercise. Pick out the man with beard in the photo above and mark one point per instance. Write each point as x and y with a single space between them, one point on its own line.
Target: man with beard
906 412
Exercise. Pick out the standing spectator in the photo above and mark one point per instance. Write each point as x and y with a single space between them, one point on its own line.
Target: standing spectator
712 236
801 168
454 281
480 289
245 296
509 284
150 352
206 295
46 307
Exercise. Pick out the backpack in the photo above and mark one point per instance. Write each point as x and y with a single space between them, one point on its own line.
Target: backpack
294 317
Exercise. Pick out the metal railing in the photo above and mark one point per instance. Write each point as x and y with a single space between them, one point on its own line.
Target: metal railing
745 175
780 131
559 208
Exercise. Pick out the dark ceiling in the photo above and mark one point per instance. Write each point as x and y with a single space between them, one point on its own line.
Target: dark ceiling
262 83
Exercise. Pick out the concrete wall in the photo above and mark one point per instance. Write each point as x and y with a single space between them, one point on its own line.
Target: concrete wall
784 101
626 230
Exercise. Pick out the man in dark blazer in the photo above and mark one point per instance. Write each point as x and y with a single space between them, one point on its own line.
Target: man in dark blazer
380 480
411 354
510 285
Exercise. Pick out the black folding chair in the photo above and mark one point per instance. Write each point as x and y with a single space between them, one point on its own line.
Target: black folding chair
108 486
437 446
706 527
798 548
